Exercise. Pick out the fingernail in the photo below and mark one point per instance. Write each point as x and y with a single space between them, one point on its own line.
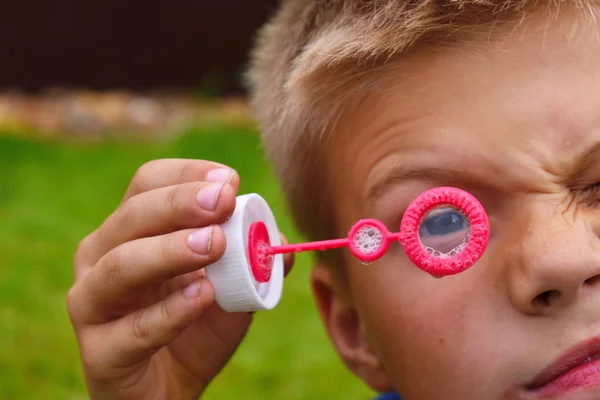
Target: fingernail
199 241
208 197
223 175
192 290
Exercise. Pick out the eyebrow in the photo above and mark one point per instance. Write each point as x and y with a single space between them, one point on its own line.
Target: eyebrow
401 174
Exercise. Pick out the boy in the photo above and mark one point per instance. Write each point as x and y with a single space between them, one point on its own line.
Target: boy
364 105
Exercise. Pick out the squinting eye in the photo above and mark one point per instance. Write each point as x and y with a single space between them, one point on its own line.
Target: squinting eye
446 222
592 194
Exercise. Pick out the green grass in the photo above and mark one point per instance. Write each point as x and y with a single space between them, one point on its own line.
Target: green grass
52 194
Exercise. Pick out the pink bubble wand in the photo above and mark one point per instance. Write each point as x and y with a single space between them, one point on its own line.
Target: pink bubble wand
444 231
369 239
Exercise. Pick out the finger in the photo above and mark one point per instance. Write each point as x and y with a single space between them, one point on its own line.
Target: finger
168 172
163 210
150 176
127 271
288 258
137 336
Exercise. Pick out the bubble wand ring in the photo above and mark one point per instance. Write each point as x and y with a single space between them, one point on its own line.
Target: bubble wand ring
429 260
374 237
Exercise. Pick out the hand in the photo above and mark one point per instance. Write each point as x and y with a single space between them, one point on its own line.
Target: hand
143 311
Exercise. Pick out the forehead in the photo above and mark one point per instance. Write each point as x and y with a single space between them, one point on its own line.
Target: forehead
523 110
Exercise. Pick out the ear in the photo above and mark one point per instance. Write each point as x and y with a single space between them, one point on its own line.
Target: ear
345 330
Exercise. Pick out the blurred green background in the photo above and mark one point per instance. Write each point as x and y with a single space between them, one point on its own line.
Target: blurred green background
52 193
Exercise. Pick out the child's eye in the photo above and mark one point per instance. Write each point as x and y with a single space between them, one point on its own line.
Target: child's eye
592 194
444 230
448 221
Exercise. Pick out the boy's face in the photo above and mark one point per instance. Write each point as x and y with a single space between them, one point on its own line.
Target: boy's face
516 124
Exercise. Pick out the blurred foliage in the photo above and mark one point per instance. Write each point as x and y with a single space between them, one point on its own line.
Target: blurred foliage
87 115
52 194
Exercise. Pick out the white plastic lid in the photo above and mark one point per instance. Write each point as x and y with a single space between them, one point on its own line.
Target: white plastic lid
236 289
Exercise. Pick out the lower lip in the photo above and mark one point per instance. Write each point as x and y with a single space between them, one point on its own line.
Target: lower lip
586 375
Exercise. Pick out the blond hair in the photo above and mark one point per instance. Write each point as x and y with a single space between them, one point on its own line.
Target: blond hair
315 56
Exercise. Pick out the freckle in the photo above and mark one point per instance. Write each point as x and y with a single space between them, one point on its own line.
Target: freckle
441 340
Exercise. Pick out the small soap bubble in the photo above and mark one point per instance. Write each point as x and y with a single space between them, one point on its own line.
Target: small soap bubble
368 239
264 256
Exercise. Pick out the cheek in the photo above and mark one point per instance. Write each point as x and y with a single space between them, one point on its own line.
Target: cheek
434 336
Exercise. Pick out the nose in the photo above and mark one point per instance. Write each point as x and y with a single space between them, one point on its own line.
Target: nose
554 259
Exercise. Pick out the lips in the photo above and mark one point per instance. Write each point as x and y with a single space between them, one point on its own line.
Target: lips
569 371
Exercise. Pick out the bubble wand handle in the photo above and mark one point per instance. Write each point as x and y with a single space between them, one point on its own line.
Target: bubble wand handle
309 246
